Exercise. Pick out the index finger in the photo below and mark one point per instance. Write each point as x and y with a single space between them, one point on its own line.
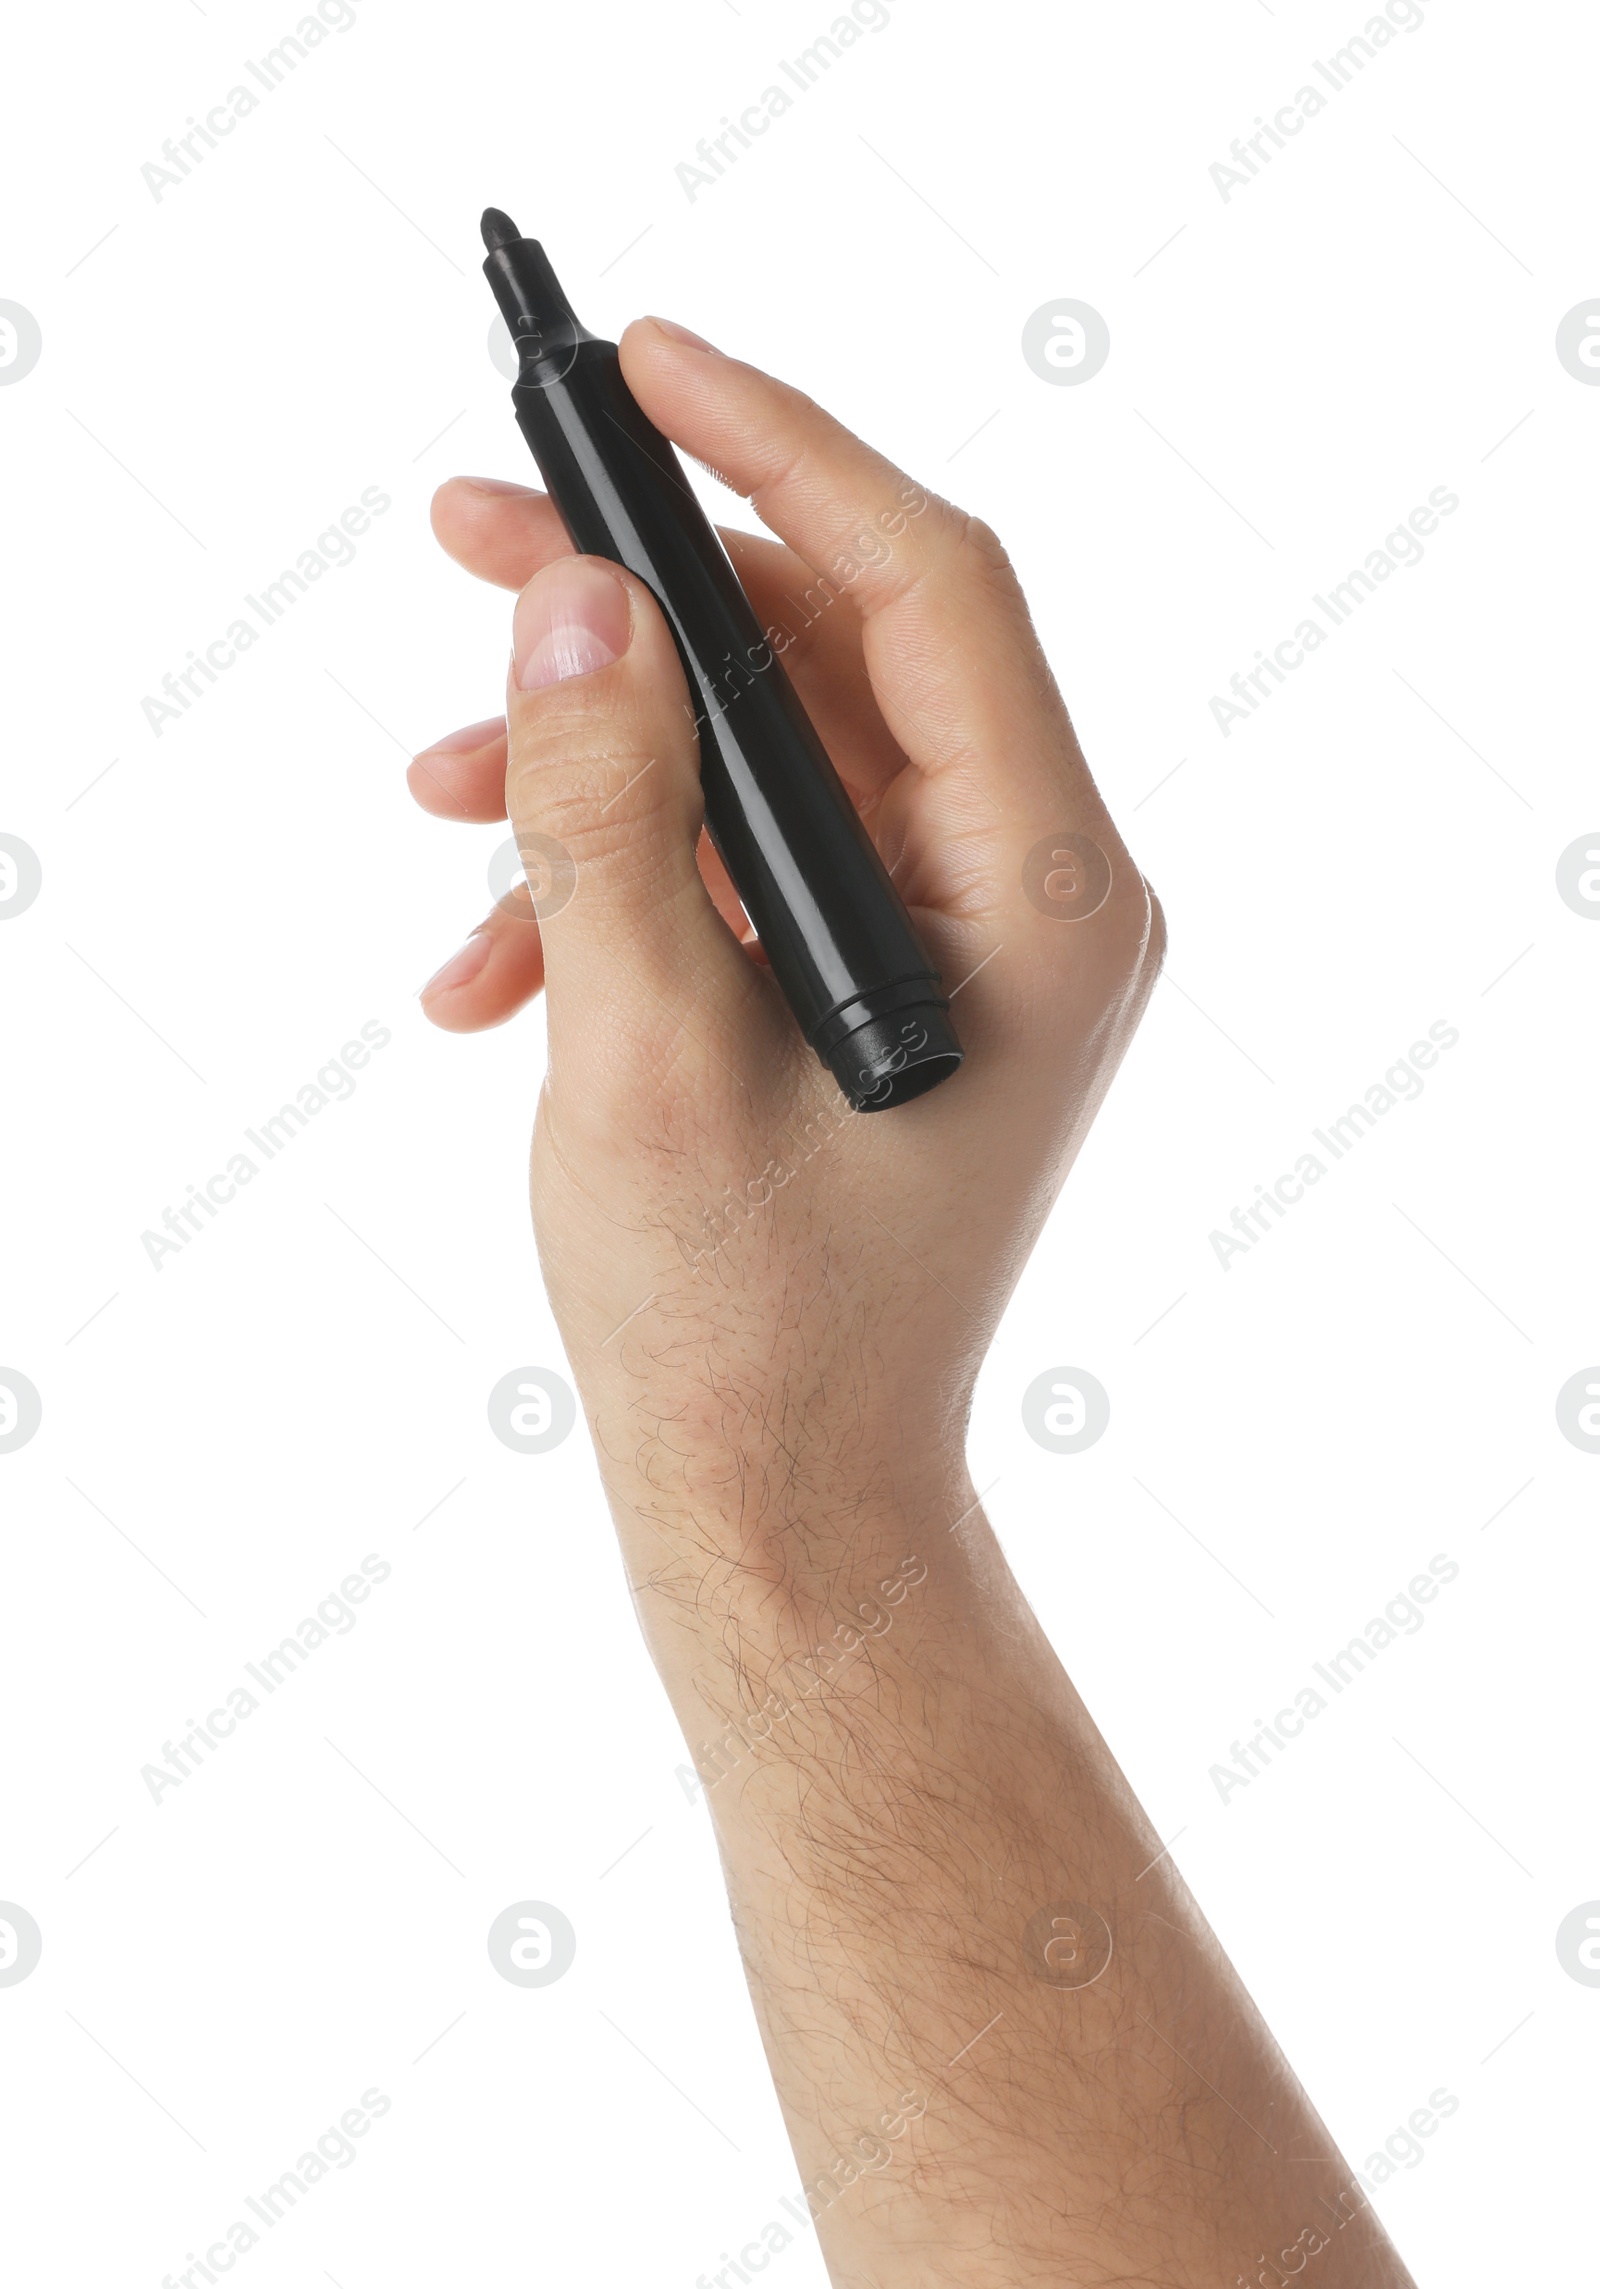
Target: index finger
953 655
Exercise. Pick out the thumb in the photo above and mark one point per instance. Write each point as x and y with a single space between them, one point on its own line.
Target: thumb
603 793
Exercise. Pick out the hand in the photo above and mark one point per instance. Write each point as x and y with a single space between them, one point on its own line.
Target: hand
753 1282
775 1309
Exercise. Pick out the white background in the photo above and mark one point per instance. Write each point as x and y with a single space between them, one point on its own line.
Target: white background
1297 368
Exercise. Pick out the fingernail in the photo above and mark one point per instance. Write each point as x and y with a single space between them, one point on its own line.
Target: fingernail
462 967
572 619
469 736
496 485
682 334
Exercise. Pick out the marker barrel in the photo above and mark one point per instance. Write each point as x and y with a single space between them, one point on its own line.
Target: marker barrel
841 944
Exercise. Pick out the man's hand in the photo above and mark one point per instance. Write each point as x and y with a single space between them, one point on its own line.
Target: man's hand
1007 2047
794 1280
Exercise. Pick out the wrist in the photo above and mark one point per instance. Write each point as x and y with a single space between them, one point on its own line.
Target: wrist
828 1609
777 1509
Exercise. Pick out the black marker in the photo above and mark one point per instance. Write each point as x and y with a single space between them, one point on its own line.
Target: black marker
832 925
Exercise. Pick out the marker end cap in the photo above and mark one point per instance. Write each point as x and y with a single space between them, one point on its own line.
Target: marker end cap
890 1060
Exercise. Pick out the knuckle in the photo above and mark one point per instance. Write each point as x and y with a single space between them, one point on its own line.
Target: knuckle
1134 947
961 559
614 812
792 449
1156 936
983 549
1122 942
1132 922
645 1084
594 783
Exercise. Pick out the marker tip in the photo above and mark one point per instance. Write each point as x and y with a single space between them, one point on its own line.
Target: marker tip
498 230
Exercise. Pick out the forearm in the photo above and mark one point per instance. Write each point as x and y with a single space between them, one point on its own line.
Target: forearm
929 1854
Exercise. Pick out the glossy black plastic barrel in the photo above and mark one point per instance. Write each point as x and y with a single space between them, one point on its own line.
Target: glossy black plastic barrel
832 924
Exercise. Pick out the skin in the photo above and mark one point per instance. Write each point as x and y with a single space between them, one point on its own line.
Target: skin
776 1310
